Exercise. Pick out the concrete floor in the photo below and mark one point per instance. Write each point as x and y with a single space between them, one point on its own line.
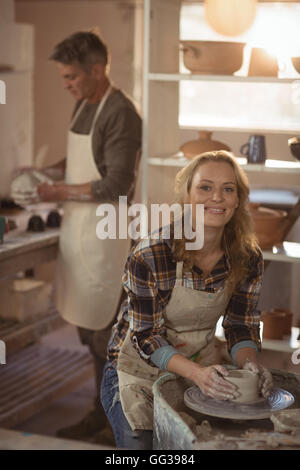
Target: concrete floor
70 408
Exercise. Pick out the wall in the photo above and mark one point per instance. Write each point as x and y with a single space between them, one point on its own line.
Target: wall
16 112
53 21
120 24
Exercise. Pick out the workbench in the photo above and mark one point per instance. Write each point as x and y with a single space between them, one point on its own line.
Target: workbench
22 251
34 375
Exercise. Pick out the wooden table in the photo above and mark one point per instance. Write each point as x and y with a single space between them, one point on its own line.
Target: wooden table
27 250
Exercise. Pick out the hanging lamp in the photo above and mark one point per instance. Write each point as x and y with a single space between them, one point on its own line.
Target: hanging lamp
230 17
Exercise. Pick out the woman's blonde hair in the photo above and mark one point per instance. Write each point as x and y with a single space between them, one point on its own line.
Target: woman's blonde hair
238 241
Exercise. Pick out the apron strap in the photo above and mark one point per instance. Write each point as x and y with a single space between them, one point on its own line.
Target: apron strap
179 267
80 108
100 107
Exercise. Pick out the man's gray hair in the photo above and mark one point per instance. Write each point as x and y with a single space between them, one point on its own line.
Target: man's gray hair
85 48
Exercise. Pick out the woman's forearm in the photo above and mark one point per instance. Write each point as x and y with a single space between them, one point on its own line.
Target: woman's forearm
244 354
209 379
182 366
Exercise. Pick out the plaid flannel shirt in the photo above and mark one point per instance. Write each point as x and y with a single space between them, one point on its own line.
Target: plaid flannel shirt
149 278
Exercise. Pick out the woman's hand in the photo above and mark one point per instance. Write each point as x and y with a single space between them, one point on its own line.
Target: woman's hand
211 382
265 381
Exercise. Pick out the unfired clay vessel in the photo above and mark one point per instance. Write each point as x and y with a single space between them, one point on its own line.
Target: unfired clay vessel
247 384
203 144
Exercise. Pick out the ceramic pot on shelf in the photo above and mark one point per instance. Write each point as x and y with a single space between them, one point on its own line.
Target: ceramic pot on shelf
294 145
288 320
203 144
269 225
274 323
296 63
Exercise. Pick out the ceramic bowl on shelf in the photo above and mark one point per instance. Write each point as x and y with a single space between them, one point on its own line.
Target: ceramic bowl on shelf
269 225
203 144
212 57
296 63
294 145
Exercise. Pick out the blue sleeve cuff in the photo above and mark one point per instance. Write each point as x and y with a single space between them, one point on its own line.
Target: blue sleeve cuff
240 345
162 355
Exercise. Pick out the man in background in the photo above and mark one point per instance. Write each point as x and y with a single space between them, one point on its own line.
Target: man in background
104 141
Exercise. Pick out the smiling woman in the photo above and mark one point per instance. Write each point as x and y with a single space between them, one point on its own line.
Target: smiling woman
175 297
226 216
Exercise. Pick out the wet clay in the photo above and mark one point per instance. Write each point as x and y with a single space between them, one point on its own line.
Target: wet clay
247 385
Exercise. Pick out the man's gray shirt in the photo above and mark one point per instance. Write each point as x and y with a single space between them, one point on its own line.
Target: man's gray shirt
116 145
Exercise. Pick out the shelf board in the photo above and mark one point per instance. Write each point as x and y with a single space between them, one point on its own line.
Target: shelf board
271 166
288 252
287 344
177 77
246 129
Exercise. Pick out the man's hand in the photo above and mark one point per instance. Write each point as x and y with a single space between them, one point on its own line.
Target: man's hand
65 192
51 192
265 381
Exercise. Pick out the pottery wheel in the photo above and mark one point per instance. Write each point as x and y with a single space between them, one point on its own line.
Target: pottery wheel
261 409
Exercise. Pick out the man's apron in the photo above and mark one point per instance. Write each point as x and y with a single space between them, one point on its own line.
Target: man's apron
191 317
89 270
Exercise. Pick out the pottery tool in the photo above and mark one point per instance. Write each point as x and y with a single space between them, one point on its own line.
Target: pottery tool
278 399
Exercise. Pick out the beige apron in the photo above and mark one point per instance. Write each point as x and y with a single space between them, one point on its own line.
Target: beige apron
89 270
191 317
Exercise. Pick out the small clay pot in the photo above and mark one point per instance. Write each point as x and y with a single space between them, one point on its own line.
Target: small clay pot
269 225
296 63
247 385
294 145
262 63
203 144
36 224
288 320
274 324
53 219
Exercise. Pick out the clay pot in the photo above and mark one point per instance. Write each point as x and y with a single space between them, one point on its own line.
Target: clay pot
288 320
215 57
274 324
269 225
204 144
296 63
294 145
36 224
247 385
262 63
53 219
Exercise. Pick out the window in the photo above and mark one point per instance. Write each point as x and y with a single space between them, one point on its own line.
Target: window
270 105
